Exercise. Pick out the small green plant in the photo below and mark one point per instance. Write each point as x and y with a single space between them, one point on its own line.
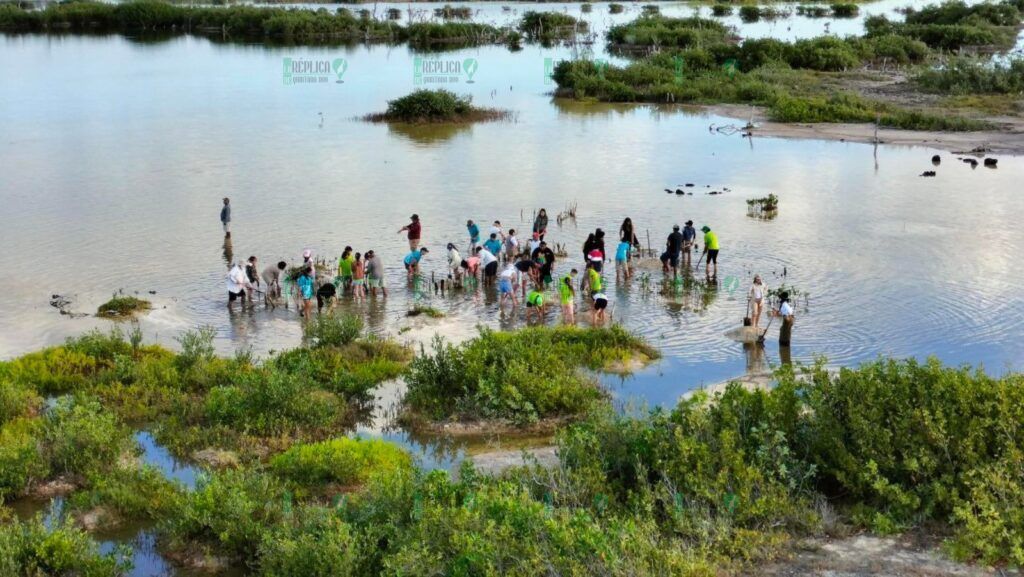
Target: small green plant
424 310
616 8
721 10
845 10
83 439
435 106
122 306
196 347
31 548
764 204
449 12
332 330
548 26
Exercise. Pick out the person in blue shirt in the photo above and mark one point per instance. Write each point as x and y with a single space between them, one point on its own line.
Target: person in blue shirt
689 236
412 261
474 235
305 283
493 245
622 261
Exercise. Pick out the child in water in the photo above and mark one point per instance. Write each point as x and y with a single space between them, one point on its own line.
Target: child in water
535 303
622 261
600 305
567 296
305 282
358 278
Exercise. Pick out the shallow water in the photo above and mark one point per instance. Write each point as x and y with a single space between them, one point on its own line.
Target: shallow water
116 153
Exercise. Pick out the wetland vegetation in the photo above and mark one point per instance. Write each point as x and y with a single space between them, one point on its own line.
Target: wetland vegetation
718 483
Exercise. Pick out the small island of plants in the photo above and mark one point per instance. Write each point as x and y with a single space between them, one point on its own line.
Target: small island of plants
436 106
122 306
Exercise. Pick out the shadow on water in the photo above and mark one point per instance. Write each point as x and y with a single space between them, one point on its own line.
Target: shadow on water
428 133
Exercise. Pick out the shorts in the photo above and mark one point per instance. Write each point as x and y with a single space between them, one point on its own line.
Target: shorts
598 265
227 226
358 282
600 304
670 258
505 286
621 264
491 269
238 295
565 296
374 282
713 256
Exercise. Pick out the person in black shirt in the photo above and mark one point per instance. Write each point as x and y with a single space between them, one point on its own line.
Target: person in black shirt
545 259
673 246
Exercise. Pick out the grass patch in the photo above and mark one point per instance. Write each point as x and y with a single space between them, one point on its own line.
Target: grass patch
522 377
436 106
449 12
656 30
770 202
121 306
342 461
968 76
548 26
32 548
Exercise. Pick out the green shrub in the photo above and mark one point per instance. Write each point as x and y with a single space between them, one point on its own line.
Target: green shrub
991 514
448 12
31 548
121 306
892 47
435 106
811 11
615 8
83 439
21 456
721 10
971 76
902 437
845 10
269 402
957 12
55 370
17 400
196 347
550 25
320 544
522 376
136 493
344 461
351 370
332 330
824 53
655 30
233 510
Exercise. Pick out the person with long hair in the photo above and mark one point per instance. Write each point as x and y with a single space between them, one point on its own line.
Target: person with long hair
540 223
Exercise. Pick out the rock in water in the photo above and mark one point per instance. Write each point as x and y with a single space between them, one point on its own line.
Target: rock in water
928 173
991 162
936 159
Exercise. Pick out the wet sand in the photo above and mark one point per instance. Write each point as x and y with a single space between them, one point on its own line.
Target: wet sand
1009 141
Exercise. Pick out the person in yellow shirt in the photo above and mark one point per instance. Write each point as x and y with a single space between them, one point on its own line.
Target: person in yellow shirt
710 249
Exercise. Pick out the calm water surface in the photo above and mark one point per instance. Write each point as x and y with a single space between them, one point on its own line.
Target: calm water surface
115 154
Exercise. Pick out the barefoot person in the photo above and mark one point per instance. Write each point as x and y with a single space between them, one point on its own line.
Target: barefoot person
506 286
474 235
535 303
710 249
673 246
689 236
412 261
598 310
306 291
344 280
238 284
540 224
253 274
358 278
567 297
412 230
375 274
756 297
272 278
225 216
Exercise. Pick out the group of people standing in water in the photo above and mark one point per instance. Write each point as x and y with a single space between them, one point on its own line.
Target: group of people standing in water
521 270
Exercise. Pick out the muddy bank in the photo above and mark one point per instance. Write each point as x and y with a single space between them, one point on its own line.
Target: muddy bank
1007 141
497 462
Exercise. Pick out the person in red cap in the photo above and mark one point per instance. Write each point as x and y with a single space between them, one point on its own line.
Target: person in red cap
412 231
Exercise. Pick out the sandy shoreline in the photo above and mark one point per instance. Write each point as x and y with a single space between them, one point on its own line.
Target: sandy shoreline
1009 141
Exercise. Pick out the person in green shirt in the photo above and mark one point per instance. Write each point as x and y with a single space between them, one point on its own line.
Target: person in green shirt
567 296
535 304
710 249
594 279
345 267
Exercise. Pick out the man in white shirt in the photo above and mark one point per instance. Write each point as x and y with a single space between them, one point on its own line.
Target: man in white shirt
496 229
237 284
507 286
489 263
786 312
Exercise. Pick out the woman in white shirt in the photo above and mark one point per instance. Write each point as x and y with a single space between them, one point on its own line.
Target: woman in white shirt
756 297
786 312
